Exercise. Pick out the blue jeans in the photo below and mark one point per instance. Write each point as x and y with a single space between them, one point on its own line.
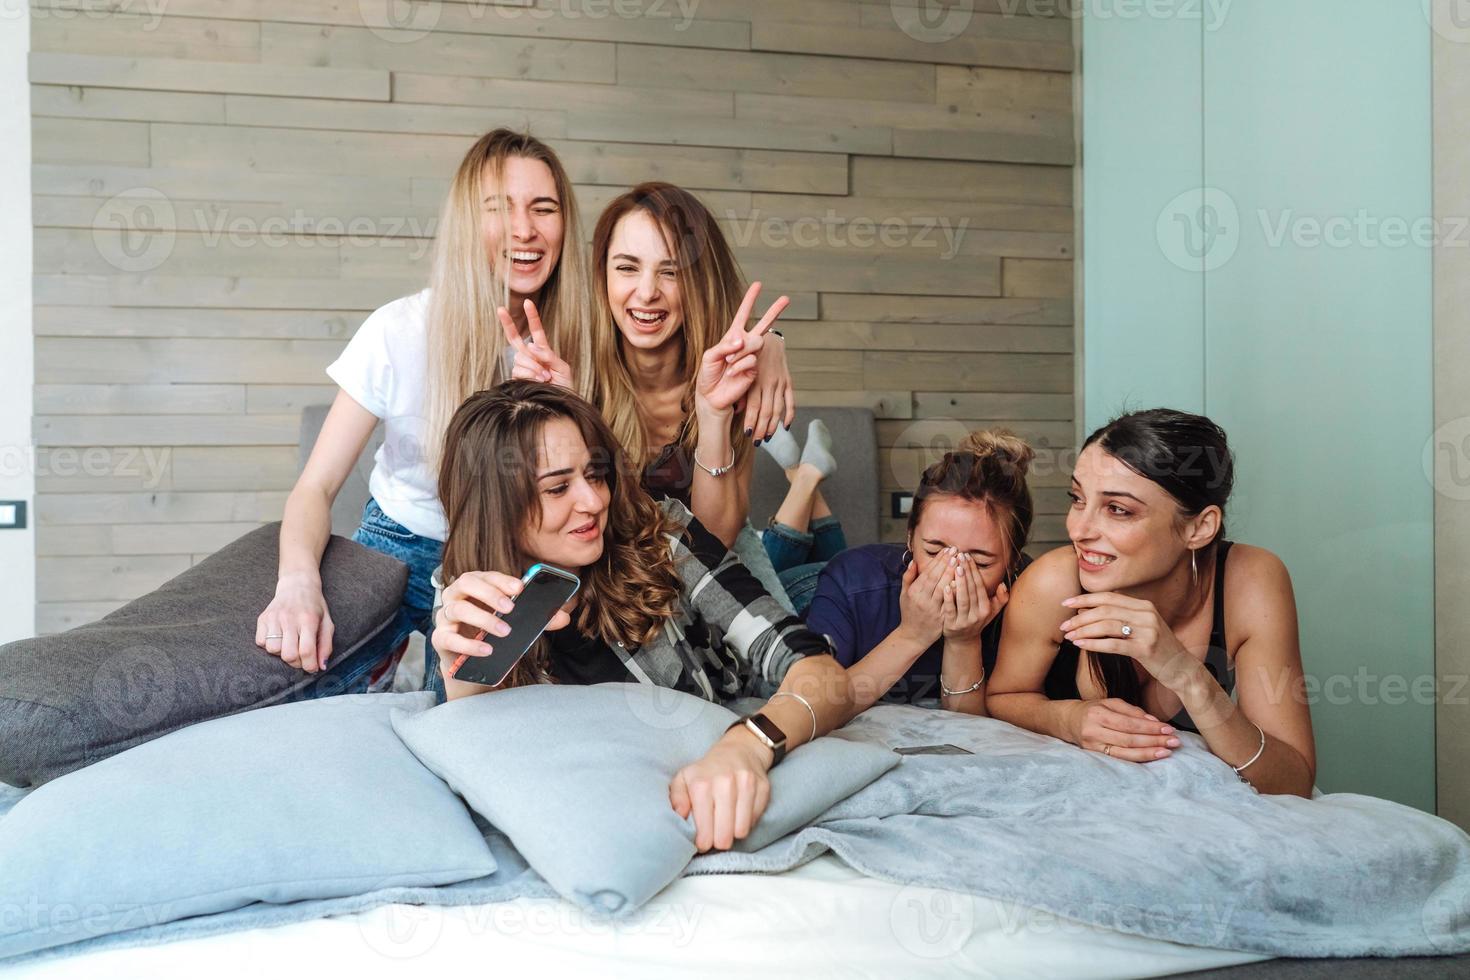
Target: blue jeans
422 555
800 556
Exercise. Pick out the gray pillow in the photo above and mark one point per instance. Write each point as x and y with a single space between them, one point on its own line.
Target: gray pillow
578 779
314 799
181 654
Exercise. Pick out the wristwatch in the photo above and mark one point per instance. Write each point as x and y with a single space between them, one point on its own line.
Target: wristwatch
769 734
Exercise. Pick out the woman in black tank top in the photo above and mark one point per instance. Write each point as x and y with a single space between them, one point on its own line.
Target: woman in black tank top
1127 626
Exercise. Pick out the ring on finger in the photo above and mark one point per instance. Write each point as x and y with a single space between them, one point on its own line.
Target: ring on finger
1127 630
275 636
1108 751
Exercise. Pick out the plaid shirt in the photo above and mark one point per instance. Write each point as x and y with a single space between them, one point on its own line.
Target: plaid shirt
728 638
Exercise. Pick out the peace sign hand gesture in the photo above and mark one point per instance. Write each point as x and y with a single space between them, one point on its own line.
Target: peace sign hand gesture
534 361
728 369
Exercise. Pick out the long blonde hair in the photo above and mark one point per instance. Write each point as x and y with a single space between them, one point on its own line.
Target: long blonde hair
710 290
487 482
465 340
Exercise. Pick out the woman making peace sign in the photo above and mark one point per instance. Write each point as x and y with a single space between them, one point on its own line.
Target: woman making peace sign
673 353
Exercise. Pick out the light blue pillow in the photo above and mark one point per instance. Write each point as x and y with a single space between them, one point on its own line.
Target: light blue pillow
313 799
578 779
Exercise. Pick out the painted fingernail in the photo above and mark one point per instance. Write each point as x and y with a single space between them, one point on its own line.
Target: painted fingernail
1068 636
1167 730
1067 625
750 432
1173 743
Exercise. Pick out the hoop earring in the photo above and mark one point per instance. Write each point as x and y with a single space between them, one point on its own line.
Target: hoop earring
1194 566
908 556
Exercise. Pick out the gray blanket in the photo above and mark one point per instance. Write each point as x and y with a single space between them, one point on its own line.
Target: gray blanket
1178 850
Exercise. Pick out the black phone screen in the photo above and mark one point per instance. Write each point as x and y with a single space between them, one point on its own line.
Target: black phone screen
543 595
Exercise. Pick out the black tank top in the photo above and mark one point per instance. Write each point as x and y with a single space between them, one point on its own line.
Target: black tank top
1061 679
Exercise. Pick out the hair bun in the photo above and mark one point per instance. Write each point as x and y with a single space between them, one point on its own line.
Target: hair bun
1002 445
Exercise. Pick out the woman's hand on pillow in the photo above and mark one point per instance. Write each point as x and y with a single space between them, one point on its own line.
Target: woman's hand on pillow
296 626
726 791
471 610
536 361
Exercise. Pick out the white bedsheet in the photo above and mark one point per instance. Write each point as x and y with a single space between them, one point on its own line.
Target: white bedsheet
822 919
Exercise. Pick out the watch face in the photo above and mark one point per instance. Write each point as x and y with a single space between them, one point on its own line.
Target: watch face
769 729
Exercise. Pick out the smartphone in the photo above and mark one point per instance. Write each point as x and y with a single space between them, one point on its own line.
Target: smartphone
545 590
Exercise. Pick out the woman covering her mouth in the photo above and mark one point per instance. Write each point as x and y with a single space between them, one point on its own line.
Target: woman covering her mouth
1152 614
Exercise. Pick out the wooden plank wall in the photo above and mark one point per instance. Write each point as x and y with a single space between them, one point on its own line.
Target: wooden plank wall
223 190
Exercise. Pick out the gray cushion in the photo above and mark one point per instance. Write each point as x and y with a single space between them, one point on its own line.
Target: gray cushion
316 799
852 493
578 779
181 654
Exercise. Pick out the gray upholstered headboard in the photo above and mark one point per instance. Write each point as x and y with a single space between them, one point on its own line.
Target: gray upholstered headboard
852 493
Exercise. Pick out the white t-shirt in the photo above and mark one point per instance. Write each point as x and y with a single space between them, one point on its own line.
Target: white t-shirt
384 368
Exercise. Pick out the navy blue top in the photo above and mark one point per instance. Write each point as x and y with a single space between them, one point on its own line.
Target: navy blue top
856 607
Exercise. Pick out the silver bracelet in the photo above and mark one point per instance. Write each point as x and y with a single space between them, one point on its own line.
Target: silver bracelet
718 470
969 690
804 701
1240 769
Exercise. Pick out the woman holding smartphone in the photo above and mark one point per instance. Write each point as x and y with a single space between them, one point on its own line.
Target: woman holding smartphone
508 230
1152 614
533 474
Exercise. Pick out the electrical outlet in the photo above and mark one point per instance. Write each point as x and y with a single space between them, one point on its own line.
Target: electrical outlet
902 503
12 515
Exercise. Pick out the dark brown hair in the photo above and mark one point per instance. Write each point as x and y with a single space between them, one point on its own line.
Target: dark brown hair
487 483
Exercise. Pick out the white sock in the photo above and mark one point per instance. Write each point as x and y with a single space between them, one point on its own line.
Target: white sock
783 448
818 451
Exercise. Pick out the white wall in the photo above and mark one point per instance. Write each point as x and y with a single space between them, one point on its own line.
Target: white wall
17 474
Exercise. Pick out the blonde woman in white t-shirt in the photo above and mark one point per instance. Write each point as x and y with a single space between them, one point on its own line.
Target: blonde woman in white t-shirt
508 232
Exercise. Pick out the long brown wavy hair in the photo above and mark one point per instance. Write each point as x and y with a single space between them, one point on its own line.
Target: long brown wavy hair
710 290
487 483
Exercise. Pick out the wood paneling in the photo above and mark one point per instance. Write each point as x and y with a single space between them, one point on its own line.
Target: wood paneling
196 169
